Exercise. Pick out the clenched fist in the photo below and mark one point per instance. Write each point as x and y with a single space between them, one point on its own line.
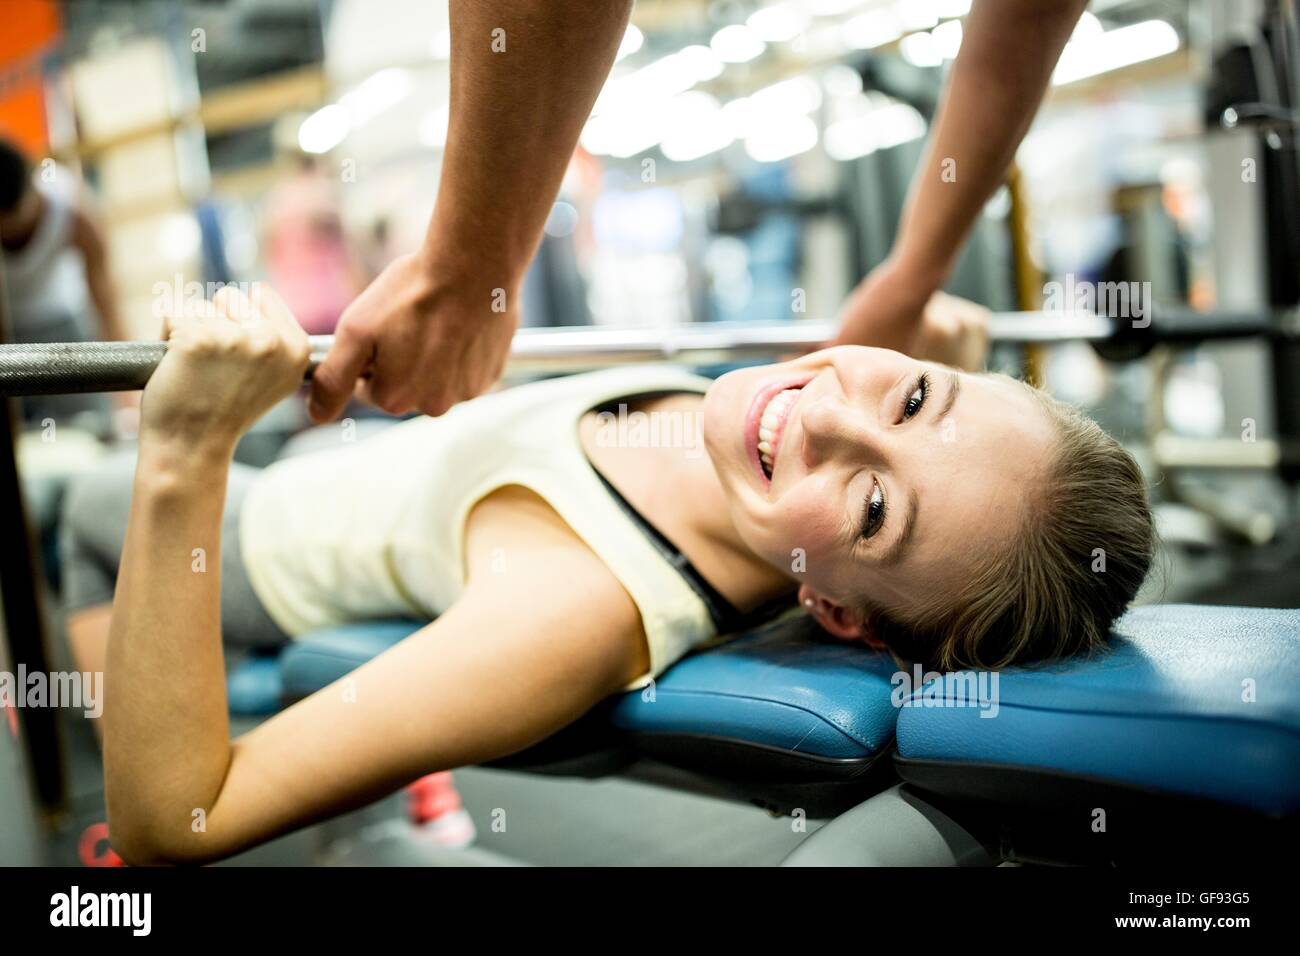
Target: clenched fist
228 361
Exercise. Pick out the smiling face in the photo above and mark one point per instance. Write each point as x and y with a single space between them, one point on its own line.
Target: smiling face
895 477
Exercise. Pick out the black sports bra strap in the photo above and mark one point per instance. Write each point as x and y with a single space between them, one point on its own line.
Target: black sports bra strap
727 618
722 611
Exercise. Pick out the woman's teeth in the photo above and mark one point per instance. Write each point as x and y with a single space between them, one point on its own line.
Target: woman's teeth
769 426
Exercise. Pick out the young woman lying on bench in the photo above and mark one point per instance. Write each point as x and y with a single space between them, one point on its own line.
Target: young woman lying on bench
571 537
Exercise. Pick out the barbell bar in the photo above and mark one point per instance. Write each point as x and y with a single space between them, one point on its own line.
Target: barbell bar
72 367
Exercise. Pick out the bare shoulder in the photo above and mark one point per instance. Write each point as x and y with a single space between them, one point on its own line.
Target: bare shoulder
519 551
516 519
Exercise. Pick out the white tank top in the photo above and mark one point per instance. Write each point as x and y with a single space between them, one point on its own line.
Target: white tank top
376 529
46 278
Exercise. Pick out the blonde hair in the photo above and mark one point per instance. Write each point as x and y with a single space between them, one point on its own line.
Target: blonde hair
1085 544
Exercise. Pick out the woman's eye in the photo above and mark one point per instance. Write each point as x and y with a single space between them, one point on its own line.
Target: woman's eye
917 398
873 516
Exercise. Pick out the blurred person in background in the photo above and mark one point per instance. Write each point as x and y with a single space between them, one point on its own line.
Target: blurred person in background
377 251
308 260
56 275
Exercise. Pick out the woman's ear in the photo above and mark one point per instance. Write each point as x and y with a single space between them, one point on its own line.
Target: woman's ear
848 624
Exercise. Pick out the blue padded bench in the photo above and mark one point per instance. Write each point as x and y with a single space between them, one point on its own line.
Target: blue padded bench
1198 702
786 717
1195 701
1179 742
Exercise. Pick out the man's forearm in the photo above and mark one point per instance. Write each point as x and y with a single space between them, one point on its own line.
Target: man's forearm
524 76
88 239
105 301
1007 56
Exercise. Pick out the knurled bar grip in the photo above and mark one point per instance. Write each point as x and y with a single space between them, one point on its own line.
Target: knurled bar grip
65 368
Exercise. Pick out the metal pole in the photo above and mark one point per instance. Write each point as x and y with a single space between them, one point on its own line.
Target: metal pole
70 367
24 618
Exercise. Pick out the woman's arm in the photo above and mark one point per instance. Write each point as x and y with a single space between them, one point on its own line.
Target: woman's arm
525 651
164 667
1007 55
167 738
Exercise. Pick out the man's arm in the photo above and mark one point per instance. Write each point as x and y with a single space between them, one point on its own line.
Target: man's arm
1008 52
515 118
436 326
89 241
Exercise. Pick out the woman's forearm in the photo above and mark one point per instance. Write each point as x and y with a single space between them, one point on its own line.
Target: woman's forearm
166 730
524 76
1008 52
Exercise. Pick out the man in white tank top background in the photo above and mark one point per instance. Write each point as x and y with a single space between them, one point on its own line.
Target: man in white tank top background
56 274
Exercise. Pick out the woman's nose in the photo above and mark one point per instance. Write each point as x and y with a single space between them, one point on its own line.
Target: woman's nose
833 428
